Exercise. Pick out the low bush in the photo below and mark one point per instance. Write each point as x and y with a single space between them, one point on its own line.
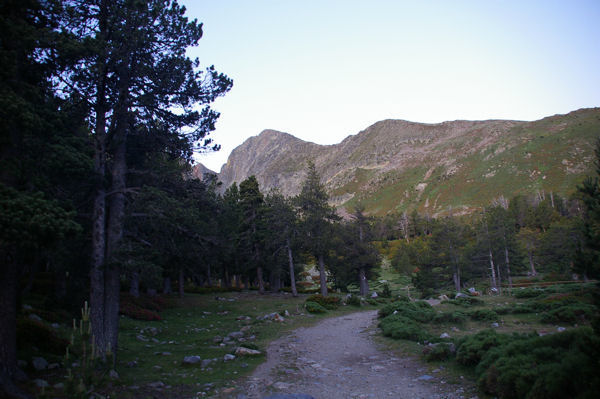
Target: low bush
314 307
402 298
483 315
470 349
372 301
419 311
328 302
465 301
133 311
528 293
571 313
353 300
553 366
400 327
437 352
385 291
35 333
450 317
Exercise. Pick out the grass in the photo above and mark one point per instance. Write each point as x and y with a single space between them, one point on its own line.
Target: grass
190 329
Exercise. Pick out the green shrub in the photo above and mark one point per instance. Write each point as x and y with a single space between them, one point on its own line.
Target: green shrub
483 315
450 317
528 293
372 301
561 365
34 333
402 298
400 327
353 300
418 311
572 313
465 301
470 349
314 307
328 302
386 292
437 352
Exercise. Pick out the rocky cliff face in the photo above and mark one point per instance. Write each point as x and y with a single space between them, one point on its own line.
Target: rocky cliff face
396 165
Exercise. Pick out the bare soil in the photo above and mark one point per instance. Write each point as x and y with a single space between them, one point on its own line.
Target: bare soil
337 358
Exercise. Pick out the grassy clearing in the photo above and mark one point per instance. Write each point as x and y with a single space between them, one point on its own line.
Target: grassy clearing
190 329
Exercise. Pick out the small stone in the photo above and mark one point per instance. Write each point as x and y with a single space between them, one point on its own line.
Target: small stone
132 363
241 351
206 362
27 307
228 357
60 385
113 375
235 334
41 383
425 378
157 367
228 390
39 363
495 325
281 386
157 385
35 317
53 366
140 337
561 329
445 335
56 326
377 368
192 359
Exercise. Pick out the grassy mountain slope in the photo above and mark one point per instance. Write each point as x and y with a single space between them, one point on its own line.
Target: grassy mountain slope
397 165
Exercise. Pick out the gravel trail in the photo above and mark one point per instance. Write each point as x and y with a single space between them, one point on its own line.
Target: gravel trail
337 359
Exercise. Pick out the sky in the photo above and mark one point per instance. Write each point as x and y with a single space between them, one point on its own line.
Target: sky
322 70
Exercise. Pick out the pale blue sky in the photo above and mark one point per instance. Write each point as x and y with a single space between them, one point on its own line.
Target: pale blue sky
322 70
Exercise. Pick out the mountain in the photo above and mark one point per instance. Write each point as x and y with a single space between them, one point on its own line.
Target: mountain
396 165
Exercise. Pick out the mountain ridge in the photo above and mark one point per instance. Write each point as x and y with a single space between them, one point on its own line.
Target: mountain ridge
396 165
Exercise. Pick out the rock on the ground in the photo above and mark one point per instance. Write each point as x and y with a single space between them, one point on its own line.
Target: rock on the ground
192 359
41 383
39 363
113 375
157 384
241 351
228 357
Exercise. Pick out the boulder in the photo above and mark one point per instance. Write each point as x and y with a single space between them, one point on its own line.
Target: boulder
445 335
235 334
39 363
192 359
228 357
461 295
241 351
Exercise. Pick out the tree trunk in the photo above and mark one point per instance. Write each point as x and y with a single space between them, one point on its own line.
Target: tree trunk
261 283
456 279
181 282
531 265
111 310
322 276
208 279
8 323
292 275
226 277
167 286
134 287
246 280
274 281
492 270
363 282
98 239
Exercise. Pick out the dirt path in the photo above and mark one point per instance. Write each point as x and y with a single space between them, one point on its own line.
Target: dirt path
338 359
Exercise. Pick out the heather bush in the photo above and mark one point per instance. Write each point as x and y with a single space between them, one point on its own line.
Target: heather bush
353 300
483 315
450 317
314 307
401 327
328 302
572 313
563 365
470 349
437 352
35 333
419 311
465 301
